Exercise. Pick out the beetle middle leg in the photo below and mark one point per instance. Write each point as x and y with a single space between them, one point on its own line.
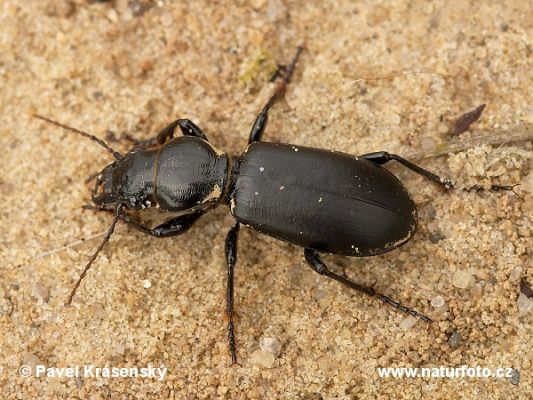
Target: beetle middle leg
260 122
382 157
231 259
313 259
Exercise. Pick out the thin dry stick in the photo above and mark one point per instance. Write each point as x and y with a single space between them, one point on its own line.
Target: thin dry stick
521 133
396 74
118 214
69 245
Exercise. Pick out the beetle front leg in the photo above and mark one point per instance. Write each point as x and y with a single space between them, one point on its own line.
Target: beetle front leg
231 260
173 227
187 127
382 157
313 259
260 122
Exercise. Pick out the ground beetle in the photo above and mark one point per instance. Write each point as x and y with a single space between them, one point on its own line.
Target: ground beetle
324 201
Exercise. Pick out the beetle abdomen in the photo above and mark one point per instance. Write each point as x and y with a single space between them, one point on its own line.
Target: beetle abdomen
324 200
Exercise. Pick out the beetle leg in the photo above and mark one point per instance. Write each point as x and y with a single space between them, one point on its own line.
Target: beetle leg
187 127
173 227
382 157
260 122
313 259
231 259
94 207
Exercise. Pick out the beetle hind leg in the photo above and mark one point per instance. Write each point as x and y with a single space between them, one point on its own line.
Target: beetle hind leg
313 259
261 120
231 260
382 157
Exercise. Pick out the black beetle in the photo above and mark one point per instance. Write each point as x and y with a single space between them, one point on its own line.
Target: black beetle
321 200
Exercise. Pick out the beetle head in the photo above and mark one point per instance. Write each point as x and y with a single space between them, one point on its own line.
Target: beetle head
121 182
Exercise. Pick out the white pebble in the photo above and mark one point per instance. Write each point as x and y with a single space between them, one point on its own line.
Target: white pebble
437 301
262 359
270 345
439 304
408 322
524 304
515 274
166 19
461 279
328 366
41 292
147 284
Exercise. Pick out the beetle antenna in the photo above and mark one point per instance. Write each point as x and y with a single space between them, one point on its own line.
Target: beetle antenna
115 153
118 214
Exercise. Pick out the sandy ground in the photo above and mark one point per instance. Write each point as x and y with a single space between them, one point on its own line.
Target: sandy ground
133 66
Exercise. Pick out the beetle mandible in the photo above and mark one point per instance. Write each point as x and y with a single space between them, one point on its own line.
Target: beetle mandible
324 201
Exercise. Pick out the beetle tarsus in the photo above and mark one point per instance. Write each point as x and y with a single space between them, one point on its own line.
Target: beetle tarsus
403 309
231 259
313 259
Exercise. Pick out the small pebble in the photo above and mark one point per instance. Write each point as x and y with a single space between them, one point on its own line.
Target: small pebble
270 345
275 10
262 359
166 19
61 8
31 360
327 366
121 5
515 376
258 3
461 279
40 291
147 284
439 304
6 307
515 274
524 304
112 15
454 340
408 322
